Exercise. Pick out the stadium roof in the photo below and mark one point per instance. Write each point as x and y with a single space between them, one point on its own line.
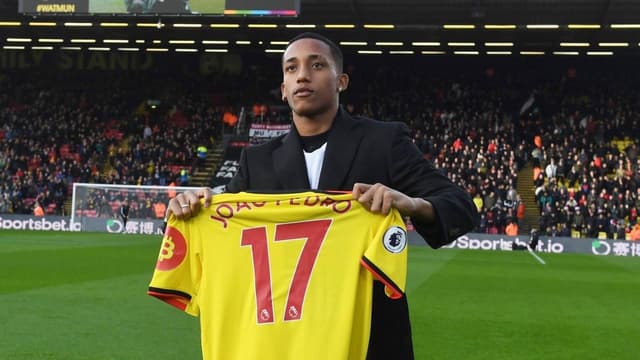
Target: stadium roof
473 11
567 27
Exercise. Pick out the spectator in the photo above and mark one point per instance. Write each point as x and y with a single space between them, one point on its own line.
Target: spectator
551 169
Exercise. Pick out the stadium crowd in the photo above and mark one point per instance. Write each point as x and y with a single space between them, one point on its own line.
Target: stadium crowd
480 128
579 131
105 133
587 172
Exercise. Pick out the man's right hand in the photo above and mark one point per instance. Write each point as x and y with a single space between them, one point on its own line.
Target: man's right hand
187 204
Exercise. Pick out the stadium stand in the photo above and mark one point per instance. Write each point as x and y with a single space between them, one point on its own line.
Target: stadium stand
488 130
91 134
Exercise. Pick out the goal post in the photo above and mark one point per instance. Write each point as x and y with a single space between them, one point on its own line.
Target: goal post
96 207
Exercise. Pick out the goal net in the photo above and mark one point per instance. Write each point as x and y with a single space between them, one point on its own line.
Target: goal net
96 207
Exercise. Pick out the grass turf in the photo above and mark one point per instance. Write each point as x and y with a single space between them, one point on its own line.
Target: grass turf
83 296
118 6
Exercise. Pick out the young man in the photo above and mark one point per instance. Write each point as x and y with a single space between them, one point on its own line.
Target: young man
328 149
124 214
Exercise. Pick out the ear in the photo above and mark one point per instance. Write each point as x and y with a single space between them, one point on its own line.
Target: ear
343 82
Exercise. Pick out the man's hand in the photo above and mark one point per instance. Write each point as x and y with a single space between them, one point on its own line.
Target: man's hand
187 204
380 199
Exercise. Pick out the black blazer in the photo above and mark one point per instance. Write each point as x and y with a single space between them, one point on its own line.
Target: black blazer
368 151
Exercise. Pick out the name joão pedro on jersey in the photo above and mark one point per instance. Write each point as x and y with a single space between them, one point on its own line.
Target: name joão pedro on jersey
281 276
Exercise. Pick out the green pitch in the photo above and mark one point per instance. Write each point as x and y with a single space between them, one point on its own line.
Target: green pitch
107 6
207 6
83 296
117 6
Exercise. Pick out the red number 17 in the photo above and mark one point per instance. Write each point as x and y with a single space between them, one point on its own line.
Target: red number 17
314 232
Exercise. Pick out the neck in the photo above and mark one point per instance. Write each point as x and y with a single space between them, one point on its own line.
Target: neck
309 126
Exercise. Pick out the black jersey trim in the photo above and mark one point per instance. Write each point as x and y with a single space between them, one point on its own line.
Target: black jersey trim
382 276
169 292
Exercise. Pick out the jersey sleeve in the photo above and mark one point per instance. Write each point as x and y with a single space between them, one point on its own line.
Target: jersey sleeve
178 272
386 254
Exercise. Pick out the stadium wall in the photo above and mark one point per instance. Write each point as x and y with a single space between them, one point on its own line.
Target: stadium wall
29 222
557 245
472 241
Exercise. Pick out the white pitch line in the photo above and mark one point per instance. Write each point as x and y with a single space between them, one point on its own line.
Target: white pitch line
535 255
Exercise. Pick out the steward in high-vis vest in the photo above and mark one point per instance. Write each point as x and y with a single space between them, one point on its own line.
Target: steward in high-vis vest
201 153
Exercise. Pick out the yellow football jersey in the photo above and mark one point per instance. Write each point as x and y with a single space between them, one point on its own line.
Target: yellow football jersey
281 276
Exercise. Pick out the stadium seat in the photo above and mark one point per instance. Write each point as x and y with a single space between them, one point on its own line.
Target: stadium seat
51 209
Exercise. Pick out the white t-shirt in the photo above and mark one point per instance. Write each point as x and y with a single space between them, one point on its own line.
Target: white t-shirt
314 162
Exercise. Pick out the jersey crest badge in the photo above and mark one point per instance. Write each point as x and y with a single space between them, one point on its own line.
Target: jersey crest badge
395 239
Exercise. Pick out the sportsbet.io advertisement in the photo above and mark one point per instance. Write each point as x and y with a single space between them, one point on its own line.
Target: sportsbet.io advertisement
471 241
556 245
61 223
27 222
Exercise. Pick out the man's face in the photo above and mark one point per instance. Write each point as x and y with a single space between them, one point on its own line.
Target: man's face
311 82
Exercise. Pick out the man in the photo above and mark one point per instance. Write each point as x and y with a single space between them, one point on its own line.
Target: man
328 149
124 214
534 239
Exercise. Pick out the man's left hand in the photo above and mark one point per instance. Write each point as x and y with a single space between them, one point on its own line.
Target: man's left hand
380 199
